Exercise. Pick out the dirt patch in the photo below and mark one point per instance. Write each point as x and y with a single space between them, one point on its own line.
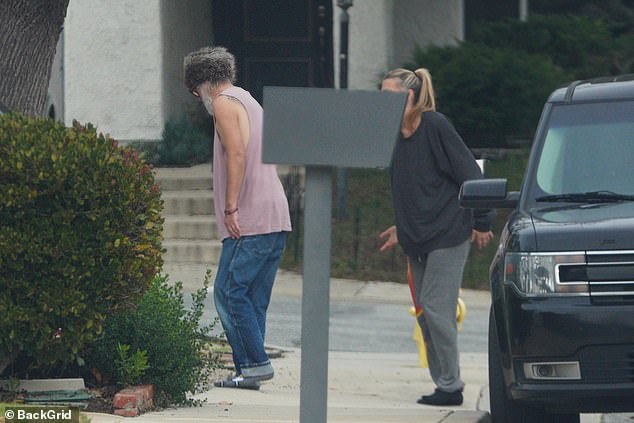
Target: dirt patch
101 401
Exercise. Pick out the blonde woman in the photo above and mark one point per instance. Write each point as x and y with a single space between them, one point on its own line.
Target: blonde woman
429 164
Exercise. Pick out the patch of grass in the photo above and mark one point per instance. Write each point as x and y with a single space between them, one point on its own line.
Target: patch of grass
355 240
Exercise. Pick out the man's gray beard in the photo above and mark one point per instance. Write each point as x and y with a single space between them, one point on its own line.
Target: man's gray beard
208 103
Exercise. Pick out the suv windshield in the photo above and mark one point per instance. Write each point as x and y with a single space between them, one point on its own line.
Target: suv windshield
587 154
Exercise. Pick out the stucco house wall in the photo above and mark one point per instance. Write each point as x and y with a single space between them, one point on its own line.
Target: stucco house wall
119 62
425 22
113 74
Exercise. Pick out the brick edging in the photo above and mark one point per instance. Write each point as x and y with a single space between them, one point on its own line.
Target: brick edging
134 400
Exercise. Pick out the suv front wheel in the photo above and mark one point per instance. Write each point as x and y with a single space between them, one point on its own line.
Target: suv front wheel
503 408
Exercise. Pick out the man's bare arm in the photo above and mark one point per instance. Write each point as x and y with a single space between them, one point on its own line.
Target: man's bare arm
227 114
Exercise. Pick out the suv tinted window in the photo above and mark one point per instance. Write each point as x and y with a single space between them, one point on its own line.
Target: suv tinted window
588 147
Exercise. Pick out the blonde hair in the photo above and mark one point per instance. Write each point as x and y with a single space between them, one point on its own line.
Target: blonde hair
420 82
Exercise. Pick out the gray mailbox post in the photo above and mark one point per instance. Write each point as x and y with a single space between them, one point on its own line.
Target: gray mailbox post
323 128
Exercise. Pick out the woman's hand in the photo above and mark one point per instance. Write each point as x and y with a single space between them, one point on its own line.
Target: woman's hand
481 239
392 239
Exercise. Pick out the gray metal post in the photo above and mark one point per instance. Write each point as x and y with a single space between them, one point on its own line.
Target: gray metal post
316 295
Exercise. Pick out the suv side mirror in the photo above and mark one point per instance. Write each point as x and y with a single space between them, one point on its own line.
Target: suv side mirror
487 194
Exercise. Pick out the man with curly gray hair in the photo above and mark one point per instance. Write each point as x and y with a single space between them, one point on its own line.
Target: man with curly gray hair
251 210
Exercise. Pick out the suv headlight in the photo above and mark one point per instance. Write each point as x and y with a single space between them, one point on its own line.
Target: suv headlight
537 274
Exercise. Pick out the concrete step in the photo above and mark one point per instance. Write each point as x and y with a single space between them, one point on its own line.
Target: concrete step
191 251
189 202
185 183
190 227
186 178
190 232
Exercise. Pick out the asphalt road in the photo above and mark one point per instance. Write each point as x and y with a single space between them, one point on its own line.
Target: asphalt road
366 326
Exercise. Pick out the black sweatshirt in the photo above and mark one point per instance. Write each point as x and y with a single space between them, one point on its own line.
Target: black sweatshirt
426 172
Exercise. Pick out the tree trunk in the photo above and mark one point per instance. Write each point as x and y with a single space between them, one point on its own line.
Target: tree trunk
29 31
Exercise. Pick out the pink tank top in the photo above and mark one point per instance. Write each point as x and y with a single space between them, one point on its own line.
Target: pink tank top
262 204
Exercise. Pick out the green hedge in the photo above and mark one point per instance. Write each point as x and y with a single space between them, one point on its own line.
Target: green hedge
80 238
582 46
492 95
493 87
184 143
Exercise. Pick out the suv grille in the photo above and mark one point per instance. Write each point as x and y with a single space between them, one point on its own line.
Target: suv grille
610 275
607 364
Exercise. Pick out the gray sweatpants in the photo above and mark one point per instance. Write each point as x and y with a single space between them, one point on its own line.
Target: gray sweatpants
437 277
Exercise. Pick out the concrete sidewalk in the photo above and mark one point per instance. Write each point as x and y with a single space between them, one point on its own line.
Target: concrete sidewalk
362 387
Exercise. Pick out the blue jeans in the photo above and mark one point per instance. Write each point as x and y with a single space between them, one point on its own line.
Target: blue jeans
242 292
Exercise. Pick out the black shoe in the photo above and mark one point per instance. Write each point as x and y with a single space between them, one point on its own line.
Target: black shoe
238 382
442 398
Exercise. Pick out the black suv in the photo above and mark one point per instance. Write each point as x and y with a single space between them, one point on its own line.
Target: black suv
561 331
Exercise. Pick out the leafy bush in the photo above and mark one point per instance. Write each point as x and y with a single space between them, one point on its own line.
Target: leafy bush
490 94
494 86
130 367
582 46
617 13
184 143
80 238
176 344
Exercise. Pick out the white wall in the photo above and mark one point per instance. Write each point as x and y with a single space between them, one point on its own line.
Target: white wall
113 74
425 22
370 42
383 34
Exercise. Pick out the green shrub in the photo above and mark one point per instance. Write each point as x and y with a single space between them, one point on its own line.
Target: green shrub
617 13
175 342
491 95
80 238
183 143
130 367
582 46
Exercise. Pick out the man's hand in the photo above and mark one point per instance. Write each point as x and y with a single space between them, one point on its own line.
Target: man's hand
232 225
481 239
392 239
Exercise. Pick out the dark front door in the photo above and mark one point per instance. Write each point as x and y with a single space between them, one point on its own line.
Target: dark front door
277 42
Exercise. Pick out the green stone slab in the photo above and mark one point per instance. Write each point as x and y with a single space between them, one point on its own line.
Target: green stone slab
58 396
